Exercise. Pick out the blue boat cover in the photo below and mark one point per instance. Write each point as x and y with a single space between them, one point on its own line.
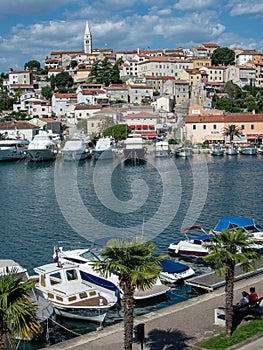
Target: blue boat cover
171 266
205 237
232 222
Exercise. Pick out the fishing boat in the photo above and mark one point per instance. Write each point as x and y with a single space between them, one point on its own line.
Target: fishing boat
134 150
76 149
232 150
162 149
104 148
70 295
85 257
249 151
11 150
217 150
45 146
192 246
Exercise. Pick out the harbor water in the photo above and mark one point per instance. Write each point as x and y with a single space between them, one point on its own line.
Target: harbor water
51 203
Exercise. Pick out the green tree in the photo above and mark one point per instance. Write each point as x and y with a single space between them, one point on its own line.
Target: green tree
223 56
47 92
251 103
17 313
136 266
229 248
32 65
63 81
104 73
231 131
119 132
73 64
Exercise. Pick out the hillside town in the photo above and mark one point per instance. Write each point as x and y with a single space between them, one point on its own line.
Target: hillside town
167 93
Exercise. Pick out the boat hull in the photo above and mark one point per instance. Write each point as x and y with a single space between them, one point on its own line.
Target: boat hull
135 155
11 155
37 155
162 154
249 151
74 156
103 155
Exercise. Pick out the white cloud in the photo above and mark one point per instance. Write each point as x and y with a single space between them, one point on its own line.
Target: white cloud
29 7
240 7
196 5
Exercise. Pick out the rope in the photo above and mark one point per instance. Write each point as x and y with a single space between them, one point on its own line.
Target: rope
60 325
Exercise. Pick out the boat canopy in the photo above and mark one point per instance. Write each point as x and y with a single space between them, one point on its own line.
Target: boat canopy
170 266
232 222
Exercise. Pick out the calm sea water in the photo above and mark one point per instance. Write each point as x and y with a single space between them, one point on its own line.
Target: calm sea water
43 204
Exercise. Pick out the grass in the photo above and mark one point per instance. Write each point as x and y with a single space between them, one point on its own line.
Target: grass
243 332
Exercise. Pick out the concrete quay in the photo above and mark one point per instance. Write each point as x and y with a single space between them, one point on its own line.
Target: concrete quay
180 326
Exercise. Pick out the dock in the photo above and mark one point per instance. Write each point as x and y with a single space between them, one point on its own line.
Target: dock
210 281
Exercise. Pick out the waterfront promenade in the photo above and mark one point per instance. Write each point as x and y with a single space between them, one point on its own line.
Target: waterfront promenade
180 326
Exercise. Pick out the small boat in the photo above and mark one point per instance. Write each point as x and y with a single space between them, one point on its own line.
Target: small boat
162 149
76 149
11 150
174 271
104 148
232 150
45 146
191 246
134 150
249 151
217 150
84 258
183 152
70 295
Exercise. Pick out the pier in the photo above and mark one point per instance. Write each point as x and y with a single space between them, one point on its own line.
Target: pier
210 281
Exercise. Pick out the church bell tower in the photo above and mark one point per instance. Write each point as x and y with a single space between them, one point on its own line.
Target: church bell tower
87 40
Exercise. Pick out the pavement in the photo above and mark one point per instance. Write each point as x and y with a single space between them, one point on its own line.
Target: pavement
180 326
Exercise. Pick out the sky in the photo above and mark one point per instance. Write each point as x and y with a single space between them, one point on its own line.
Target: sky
32 29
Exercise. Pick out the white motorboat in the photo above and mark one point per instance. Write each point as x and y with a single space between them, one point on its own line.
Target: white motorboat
249 151
134 150
70 295
12 150
173 271
76 149
104 148
232 150
162 149
183 152
217 150
44 146
84 258
192 246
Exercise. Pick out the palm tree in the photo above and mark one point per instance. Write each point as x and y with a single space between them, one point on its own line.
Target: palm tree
231 131
136 266
17 313
229 248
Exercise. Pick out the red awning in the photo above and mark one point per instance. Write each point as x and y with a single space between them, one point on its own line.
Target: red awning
132 126
145 127
138 127
150 135
252 137
151 127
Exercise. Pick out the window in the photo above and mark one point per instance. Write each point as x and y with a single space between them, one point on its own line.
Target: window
252 126
242 127
194 127
214 126
204 127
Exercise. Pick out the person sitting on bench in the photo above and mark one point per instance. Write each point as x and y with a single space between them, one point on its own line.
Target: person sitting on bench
253 297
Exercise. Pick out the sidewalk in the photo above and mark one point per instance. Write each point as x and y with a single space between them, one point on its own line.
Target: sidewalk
179 326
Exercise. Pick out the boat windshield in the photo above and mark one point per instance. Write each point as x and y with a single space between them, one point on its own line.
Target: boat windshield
89 255
253 228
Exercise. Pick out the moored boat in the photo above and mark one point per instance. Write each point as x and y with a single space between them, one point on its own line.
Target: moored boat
174 271
183 152
70 295
11 150
104 148
217 150
232 150
249 151
76 149
134 150
162 149
45 146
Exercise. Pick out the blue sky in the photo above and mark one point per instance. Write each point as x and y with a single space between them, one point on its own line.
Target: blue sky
31 29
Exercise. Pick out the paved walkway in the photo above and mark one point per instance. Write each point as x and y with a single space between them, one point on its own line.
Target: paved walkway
180 326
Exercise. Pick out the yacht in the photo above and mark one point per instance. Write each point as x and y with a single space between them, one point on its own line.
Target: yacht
183 152
217 150
12 150
104 148
134 150
232 150
162 149
76 149
45 146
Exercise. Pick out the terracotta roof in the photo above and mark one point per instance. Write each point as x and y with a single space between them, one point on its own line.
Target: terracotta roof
141 115
48 120
21 124
86 106
135 86
117 87
226 118
19 71
210 45
58 95
67 52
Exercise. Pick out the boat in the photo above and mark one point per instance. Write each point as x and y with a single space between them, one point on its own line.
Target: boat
85 257
195 246
44 146
104 148
217 150
70 295
183 152
76 149
249 226
231 150
134 150
11 150
173 271
249 151
44 310
162 149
